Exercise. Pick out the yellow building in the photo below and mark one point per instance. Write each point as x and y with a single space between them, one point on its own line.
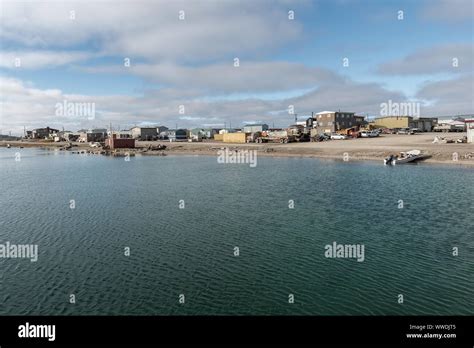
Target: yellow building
240 138
394 122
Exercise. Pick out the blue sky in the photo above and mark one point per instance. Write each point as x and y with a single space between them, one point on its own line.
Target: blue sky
190 62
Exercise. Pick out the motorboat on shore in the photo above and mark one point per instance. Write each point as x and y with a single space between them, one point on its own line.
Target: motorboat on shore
404 157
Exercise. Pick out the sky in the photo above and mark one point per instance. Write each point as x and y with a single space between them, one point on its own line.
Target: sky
214 63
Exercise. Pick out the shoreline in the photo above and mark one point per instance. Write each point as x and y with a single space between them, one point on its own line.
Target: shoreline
429 161
362 149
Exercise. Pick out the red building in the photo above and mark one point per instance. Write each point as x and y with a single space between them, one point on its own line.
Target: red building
123 143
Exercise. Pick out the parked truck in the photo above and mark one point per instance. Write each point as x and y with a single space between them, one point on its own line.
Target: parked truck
445 128
299 132
280 136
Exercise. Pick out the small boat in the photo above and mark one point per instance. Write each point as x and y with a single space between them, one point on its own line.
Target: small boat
404 157
8 146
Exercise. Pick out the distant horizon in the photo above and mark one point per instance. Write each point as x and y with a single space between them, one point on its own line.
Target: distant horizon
467 116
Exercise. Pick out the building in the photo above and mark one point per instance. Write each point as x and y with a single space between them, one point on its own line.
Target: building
8 137
114 142
68 136
424 124
164 134
210 132
252 128
333 121
454 125
240 138
470 129
44 133
124 134
144 133
202 133
360 120
394 122
93 135
178 135
161 129
196 134
226 130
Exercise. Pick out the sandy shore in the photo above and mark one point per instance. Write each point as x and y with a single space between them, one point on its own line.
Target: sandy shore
357 149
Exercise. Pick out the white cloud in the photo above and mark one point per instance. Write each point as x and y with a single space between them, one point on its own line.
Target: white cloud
431 60
449 97
248 77
23 104
152 30
449 10
39 59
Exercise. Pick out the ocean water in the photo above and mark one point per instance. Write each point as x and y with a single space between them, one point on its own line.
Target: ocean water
190 251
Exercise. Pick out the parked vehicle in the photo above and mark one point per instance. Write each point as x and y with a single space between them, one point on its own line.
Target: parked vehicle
320 137
95 144
299 133
368 134
404 131
374 133
445 128
281 136
336 136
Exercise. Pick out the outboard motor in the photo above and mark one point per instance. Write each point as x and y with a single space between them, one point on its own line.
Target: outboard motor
388 160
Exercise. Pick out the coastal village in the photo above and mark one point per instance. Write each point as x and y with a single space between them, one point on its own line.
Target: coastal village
321 127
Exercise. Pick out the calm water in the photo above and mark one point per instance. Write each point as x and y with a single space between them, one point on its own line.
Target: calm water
191 251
